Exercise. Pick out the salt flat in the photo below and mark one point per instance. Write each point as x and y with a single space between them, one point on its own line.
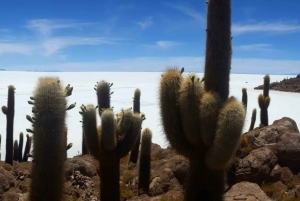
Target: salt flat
282 103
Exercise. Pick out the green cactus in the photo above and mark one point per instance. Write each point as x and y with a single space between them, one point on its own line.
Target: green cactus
136 109
27 148
245 98
264 102
9 111
253 119
49 139
16 148
20 151
145 162
202 123
112 141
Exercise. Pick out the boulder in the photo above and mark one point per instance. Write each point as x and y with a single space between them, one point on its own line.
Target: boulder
245 191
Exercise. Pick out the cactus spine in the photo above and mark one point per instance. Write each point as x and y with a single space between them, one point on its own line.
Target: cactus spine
49 139
253 119
202 123
136 109
16 148
27 148
9 111
264 102
115 138
145 162
20 151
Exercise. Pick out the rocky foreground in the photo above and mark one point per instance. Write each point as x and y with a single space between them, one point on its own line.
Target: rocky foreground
287 85
266 167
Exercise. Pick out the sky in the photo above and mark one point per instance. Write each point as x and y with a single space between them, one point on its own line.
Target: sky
134 35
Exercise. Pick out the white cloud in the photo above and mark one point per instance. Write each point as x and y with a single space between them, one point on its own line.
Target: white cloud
256 47
46 27
146 23
53 45
16 48
189 12
164 44
266 27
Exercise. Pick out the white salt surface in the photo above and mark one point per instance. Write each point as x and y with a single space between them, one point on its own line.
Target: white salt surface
283 104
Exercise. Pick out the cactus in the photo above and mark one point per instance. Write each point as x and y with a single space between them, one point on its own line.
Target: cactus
27 148
0 145
9 111
253 119
136 109
20 151
264 102
245 98
145 162
202 123
49 139
84 149
16 148
112 141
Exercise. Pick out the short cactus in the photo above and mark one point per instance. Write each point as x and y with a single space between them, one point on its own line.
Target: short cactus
264 102
201 122
27 148
20 151
244 98
110 142
9 111
49 139
16 148
145 162
253 119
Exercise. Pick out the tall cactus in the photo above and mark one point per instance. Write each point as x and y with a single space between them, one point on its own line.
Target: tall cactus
112 141
20 151
145 162
27 148
136 109
264 102
202 123
9 111
49 139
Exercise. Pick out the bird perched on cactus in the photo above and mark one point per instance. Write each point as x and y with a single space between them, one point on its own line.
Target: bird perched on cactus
111 141
49 139
201 122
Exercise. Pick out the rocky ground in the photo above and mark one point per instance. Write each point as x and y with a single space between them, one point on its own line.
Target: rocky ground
266 167
288 85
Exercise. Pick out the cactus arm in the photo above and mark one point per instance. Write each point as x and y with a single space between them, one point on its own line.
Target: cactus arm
124 123
190 93
244 98
27 148
253 119
103 95
170 111
108 130
230 125
89 123
16 148
218 47
126 144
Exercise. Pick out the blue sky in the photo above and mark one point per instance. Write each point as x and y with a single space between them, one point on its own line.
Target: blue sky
131 35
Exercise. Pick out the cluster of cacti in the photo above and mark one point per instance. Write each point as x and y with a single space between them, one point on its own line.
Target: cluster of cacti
111 141
264 102
9 111
49 139
203 124
136 109
145 162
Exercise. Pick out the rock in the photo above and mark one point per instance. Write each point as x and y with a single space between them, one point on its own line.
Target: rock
4 184
275 174
87 166
269 135
286 175
246 191
257 166
288 151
